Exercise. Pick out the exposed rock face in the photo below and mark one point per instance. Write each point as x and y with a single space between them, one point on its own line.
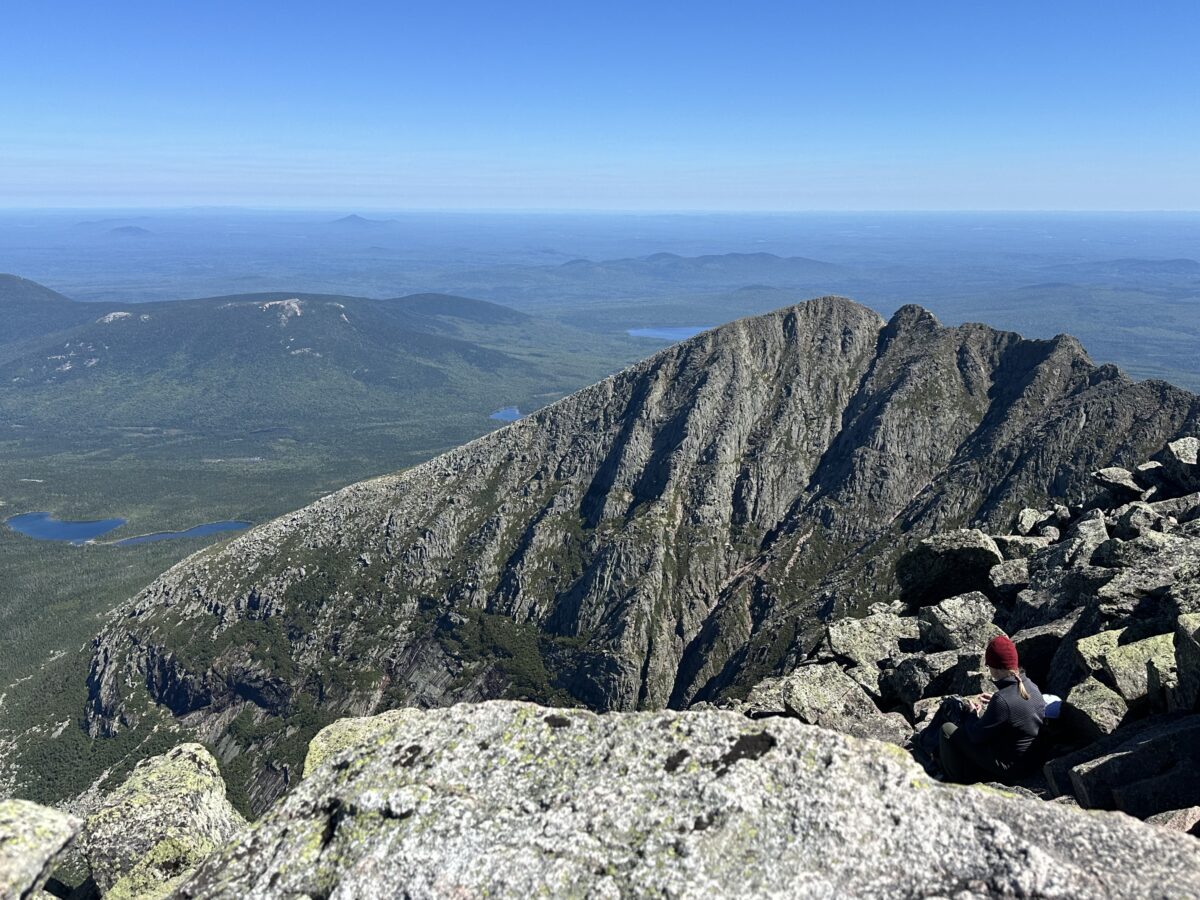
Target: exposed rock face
824 695
346 733
149 834
960 623
669 535
31 837
946 565
513 800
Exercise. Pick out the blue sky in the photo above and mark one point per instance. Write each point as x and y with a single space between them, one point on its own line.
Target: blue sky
566 105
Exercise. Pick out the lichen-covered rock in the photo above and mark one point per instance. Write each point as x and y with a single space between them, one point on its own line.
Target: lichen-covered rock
513 800
1014 546
1028 520
1187 660
1100 707
1009 578
1181 460
1091 649
1186 820
31 837
959 623
933 675
1150 772
825 695
873 639
1181 509
168 816
1126 664
1118 483
946 565
348 732
1135 519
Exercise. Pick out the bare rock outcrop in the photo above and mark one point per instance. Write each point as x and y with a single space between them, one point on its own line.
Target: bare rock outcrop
31 838
514 800
167 817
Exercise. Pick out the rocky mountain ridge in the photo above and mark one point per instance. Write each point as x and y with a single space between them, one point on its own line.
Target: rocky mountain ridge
668 536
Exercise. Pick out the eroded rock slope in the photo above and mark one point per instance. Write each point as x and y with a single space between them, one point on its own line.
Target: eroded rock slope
672 534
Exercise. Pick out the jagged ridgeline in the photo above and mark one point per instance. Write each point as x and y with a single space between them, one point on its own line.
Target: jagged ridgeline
672 534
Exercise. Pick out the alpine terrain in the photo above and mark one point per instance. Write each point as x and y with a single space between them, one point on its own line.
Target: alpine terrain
671 535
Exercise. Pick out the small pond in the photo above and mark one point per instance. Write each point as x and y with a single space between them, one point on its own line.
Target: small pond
508 414
195 531
670 333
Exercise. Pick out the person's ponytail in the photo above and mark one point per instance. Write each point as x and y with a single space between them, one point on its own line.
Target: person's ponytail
1020 685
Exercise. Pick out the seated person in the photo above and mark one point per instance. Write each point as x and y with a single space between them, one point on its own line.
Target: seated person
990 745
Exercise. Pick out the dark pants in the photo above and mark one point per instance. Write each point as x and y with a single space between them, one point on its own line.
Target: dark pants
964 762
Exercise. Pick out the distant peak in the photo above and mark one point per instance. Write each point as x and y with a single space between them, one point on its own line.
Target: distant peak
356 219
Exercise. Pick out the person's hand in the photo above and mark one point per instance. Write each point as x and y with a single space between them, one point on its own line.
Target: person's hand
985 698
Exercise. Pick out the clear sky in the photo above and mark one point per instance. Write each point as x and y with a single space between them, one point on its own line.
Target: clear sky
602 105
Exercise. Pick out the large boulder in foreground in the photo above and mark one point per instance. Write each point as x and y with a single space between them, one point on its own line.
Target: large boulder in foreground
31 837
515 800
148 834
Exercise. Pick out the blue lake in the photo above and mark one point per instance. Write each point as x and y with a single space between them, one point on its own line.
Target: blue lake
44 527
508 414
670 333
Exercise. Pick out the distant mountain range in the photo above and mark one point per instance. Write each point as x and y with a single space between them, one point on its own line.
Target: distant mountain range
1131 268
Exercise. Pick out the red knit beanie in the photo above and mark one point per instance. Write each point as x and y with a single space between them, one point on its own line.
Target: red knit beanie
1001 653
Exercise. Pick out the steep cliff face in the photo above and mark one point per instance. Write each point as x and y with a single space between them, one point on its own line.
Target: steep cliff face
666 535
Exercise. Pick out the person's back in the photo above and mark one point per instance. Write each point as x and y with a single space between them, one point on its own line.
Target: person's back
1011 722
993 745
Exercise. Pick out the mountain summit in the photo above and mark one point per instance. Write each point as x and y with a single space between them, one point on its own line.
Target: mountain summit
671 534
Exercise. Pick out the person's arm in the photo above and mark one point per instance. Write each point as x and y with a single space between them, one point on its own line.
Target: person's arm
992 723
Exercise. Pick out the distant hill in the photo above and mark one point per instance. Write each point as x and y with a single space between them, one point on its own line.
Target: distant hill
447 306
130 231
292 360
356 221
28 308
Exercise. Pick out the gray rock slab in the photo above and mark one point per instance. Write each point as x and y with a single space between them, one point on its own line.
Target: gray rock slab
1187 660
1015 546
1181 461
31 837
514 800
1101 708
959 623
